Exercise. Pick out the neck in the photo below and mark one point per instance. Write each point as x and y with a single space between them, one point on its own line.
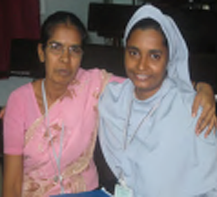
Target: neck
143 95
140 95
53 91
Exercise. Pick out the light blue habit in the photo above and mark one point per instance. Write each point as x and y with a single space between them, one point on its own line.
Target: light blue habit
152 144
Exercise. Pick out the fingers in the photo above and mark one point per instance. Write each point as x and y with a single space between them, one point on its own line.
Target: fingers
206 119
210 127
2 112
205 99
196 105
202 121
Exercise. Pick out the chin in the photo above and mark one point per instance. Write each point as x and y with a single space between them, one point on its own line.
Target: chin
63 81
141 85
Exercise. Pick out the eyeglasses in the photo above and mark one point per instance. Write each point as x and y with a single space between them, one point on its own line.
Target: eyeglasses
58 49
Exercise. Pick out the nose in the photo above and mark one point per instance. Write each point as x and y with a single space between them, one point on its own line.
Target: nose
143 63
65 56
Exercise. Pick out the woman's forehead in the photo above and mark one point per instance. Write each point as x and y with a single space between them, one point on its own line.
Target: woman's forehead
66 32
142 35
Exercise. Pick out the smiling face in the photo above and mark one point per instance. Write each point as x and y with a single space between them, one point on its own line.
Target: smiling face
62 54
146 57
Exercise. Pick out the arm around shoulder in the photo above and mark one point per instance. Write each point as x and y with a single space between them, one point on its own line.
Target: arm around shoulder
13 175
206 99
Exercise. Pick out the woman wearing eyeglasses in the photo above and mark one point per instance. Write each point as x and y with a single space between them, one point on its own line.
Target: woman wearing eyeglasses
50 125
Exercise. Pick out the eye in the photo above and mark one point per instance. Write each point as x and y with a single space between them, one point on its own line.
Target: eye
133 53
155 56
55 46
76 50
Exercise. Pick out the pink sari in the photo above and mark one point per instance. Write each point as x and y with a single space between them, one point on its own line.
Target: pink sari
77 109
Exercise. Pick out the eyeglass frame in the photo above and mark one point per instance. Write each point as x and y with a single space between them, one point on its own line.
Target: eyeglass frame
72 50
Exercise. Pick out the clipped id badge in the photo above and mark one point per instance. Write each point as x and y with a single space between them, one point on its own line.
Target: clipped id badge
121 190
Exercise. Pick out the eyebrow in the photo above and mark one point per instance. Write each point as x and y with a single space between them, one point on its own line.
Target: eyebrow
156 51
132 48
73 45
151 51
51 42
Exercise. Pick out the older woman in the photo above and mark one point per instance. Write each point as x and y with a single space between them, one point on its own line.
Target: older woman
50 124
146 128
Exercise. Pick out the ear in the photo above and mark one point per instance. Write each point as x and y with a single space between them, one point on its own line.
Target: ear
41 53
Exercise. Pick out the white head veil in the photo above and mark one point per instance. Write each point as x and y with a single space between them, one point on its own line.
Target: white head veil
161 138
178 53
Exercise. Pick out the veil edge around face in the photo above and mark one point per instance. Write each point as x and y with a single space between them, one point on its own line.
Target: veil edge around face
178 68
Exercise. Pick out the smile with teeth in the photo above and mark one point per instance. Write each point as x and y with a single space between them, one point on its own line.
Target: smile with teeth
141 76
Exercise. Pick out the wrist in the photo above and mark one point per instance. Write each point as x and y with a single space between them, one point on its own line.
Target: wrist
198 85
202 86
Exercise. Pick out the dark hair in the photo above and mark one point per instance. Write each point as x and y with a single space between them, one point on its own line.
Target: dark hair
148 23
60 17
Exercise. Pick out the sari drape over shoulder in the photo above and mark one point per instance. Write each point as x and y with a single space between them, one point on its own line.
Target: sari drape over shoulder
77 110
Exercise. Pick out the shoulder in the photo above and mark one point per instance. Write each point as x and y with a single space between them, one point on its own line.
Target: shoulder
118 90
179 99
21 92
90 73
117 96
93 78
19 99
